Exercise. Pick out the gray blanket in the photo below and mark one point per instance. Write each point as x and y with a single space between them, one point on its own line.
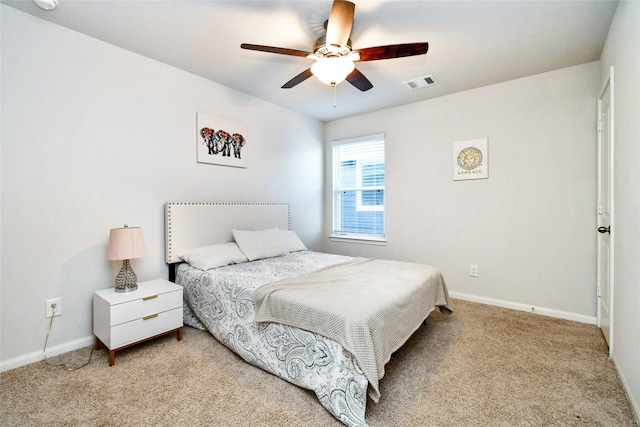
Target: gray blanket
370 306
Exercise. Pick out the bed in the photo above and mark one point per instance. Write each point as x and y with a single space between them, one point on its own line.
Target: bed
251 283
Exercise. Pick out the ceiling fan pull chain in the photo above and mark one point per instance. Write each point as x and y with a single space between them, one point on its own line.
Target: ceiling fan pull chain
335 96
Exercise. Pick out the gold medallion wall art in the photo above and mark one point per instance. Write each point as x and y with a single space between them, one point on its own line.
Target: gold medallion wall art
470 159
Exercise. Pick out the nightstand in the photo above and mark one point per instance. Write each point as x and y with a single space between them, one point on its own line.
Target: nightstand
121 320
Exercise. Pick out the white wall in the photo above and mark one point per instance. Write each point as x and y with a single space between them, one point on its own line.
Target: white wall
530 227
622 51
94 137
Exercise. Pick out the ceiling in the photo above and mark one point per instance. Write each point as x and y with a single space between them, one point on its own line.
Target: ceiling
471 43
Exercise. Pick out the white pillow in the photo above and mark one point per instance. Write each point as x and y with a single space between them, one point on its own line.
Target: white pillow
261 244
293 241
214 256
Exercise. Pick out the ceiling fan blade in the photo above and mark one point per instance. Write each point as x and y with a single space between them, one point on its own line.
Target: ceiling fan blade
298 79
340 23
271 49
392 51
357 79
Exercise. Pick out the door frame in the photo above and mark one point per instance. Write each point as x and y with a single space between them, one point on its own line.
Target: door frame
608 84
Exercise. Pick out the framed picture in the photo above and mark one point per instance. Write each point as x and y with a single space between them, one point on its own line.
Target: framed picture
470 159
221 141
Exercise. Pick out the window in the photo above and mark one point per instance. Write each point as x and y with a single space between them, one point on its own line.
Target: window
358 189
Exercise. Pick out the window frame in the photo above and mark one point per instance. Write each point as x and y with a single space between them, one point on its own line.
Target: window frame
348 236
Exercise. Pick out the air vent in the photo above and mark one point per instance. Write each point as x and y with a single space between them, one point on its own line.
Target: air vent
421 82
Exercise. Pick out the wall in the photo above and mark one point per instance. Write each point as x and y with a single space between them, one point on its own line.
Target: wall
94 137
530 227
622 51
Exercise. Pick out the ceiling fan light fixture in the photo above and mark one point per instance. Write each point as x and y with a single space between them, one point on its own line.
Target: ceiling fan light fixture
332 70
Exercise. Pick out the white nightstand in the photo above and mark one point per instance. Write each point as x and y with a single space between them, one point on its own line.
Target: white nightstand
121 320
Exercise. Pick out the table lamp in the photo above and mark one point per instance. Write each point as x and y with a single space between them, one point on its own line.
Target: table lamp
125 244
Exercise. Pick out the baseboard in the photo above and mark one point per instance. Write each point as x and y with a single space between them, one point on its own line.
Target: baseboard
524 307
627 389
37 356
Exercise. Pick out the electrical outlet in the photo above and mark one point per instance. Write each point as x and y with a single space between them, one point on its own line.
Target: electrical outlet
473 270
49 307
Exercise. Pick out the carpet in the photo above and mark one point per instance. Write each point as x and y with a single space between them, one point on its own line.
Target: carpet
483 365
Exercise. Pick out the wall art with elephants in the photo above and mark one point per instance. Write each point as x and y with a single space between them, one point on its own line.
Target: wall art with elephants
221 141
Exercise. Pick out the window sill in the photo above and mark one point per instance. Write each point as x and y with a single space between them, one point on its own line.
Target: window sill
364 240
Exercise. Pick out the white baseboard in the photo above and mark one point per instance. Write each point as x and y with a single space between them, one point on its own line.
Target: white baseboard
627 389
524 307
37 356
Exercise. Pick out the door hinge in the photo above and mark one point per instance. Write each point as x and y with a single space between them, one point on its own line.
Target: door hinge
599 125
599 291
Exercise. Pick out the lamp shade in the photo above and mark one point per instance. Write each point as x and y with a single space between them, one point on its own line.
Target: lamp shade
125 243
333 69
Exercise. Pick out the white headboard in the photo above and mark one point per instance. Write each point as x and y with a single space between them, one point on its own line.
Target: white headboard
190 225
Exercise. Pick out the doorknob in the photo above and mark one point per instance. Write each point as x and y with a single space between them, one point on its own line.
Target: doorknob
604 229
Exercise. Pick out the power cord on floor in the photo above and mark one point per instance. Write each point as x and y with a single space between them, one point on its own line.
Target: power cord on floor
44 350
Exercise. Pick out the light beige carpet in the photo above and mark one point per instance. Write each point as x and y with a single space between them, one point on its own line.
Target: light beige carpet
482 366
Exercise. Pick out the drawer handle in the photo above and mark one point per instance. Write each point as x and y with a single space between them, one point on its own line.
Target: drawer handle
151 316
149 297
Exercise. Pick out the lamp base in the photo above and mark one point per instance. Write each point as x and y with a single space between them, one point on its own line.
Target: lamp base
127 289
126 280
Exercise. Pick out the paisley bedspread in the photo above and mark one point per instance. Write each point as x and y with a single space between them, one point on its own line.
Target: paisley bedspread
221 301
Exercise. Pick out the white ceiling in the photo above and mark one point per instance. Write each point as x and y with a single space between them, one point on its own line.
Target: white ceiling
471 43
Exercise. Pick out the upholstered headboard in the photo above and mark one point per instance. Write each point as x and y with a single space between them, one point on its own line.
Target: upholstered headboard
190 225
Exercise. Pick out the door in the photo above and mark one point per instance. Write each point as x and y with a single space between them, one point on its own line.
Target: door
605 211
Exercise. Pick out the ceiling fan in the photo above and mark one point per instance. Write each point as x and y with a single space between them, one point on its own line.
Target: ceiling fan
334 55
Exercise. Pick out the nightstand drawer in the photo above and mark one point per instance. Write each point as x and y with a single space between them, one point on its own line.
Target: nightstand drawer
144 306
139 329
